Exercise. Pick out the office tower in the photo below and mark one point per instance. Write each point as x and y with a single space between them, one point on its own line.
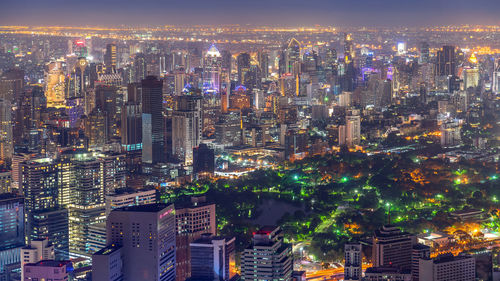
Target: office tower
331 60
228 129
446 61
268 258
114 170
107 264
35 251
296 143
75 108
450 134
263 59
290 58
203 160
153 133
48 270
386 273
212 67
81 77
11 84
51 224
353 262
418 252
226 61
213 258
6 137
110 60
11 229
125 197
140 68
96 128
186 127
192 220
5 181
448 267
96 237
87 206
108 101
496 78
349 53
471 77
243 63
55 84
147 236
40 184
131 117
424 54
392 247
350 133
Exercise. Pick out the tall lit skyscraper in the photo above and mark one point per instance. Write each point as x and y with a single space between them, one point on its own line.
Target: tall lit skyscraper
392 247
153 133
6 138
268 258
446 63
110 60
186 127
243 62
55 84
212 65
11 229
213 258
147 236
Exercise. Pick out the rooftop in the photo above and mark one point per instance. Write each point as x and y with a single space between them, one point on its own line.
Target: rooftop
50 263
108 250
149 208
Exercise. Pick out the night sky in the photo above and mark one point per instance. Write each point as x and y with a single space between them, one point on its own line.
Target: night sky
278 12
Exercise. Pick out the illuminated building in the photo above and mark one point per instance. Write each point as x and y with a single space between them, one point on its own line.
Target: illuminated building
349 53
5 181
96 128
446 61
387 273
51 224
81 78
290 58
424 52
353 262
140 67
6 137
146 234
228 129
448 267
131 125
55 84
153 133
193 219
75 111
212 64
471 77
129 197
11 229
11 84
392 248
110 59
268 258
186 127
213 258
450 134
350 133
243 63
263 58
496 78
87 206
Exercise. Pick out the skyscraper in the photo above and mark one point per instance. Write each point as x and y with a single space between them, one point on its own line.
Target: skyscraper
418 252
448 267
147 236
153 133
6 137
186 127
110 60
268 258
392 247
353 262
243 62
213 258
35 251
446 61
212 66
11 229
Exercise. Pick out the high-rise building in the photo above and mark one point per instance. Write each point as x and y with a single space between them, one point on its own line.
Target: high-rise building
213 258
392 247
203 160
446 63
350 133
110 59
290 58
120 198
496 78
448 267
146 234
192 220
11 229
11 84
268 258
212 67
51 224
6 137
353 262
107 264
153 133
450 134
140 67
419 251
424 53
186 127
131 117
55 84
243 62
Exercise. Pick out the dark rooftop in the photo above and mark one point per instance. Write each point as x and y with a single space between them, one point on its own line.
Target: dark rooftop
107 250
49 263
149 208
